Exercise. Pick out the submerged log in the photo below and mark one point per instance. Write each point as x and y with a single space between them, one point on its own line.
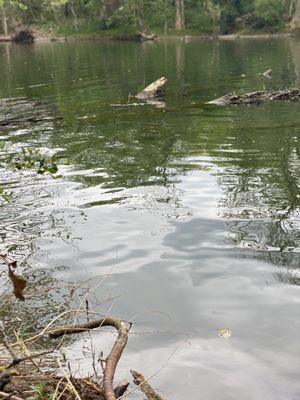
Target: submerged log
256 97
146 36
155 90
138 37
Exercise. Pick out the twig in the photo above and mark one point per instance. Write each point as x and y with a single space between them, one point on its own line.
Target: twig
9 396
149 312
68 379
77 286
93 386
26 351
73 329
44 330
57 388
19 360
9 349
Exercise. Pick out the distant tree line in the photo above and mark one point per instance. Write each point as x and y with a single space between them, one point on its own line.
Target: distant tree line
205 16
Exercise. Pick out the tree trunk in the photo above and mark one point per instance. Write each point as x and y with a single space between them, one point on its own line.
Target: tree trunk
103 13
4 21
140 16
107 7
72 12
166 18
295 52
179 17
291 8
295 24
182 14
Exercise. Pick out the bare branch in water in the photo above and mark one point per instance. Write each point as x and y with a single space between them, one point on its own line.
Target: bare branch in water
114 355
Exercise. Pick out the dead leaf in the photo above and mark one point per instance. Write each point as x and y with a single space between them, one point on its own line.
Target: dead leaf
19 283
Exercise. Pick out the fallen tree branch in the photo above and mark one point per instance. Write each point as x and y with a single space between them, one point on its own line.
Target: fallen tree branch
114 355
155 89
144 36
257 97
144 385
73 329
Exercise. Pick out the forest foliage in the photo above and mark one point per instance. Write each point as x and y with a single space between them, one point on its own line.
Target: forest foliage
203 16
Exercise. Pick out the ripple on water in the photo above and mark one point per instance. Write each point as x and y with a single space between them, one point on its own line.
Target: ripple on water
189 213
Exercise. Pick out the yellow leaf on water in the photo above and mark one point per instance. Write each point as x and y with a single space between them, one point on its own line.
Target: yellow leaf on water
225 333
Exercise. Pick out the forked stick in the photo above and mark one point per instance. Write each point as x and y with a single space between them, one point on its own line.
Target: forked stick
115 354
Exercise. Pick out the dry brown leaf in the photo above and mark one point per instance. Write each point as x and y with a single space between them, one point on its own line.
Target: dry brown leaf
19 283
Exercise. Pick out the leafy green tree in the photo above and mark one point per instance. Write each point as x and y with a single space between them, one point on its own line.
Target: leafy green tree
206 16
268 14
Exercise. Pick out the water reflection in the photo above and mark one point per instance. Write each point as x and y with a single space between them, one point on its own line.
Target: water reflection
193 208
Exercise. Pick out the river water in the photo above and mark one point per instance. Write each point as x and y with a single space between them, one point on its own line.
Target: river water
186 216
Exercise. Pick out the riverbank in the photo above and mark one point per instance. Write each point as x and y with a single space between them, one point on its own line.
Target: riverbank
41 38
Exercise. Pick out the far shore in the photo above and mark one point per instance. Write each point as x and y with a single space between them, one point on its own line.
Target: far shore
188 37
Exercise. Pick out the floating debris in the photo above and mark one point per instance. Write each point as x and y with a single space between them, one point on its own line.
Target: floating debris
268 73
257 97
225 333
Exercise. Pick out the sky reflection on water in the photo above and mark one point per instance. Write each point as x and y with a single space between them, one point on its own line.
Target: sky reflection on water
193 210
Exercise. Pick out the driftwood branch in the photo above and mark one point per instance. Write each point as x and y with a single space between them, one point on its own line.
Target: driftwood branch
144 385
146 36
257 97
155 89
114 355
